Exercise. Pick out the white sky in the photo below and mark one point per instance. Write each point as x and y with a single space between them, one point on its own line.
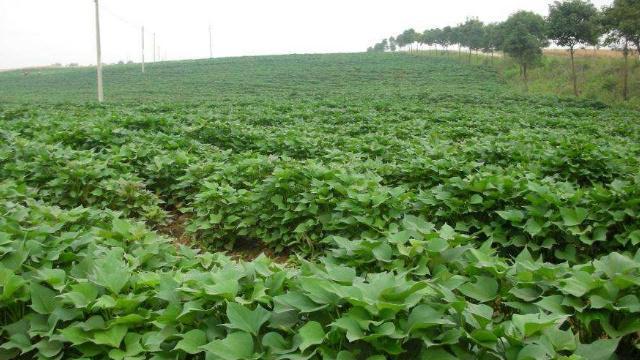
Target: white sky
41 32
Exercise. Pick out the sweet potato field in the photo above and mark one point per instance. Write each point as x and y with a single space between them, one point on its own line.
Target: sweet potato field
364 206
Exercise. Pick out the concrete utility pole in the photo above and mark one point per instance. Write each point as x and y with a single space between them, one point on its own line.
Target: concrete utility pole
154 47
143 49
99 54
210 43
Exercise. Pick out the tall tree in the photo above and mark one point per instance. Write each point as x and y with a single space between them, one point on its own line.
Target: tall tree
382 46
524 37
571 23
473 35
436 38
444 38
448 36
622 21
427 37
392 44
492 39
408 37
456 38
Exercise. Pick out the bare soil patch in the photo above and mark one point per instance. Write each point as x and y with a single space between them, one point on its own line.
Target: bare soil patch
246 249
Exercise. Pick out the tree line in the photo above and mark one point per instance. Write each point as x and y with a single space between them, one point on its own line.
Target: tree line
570 24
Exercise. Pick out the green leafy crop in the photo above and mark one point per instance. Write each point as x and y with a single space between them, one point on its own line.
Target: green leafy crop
411 208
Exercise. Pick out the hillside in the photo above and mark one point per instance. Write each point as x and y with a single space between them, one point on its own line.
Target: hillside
229 78
355 206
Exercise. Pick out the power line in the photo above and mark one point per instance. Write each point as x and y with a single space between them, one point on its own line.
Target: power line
162 55
135 25
157 54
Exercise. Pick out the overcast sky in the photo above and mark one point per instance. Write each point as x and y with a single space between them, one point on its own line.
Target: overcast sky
41 32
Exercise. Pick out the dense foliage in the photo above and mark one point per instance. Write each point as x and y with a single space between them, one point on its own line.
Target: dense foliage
428 212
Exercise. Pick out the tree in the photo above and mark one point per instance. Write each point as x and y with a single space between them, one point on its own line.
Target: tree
624 16
456 38
571 23
524 37
427 37
407 37
392 44
622 22
412 36
448 34
385 45
400 41
472 35
382 46
443 38
492 39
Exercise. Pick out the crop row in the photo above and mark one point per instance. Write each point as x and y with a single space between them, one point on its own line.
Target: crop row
83 283
564 198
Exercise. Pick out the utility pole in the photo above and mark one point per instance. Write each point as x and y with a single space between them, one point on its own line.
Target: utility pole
210 43
154 47
143 49
99 54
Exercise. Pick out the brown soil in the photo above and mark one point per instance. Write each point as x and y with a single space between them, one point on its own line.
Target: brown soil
248 250
175 229
245 249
